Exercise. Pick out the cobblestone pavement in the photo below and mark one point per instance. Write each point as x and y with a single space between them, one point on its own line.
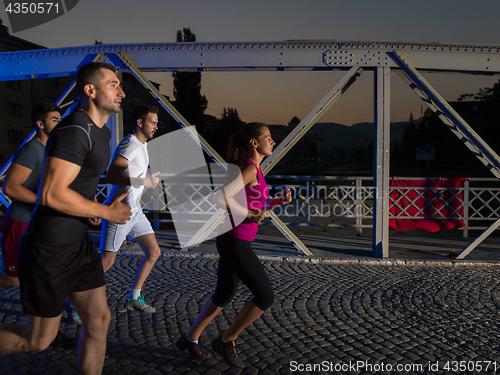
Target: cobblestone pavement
359 318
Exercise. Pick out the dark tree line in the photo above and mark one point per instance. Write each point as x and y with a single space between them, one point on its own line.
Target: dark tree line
482 113
192 105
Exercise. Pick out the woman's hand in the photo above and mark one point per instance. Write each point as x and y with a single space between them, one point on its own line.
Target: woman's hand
286 196
256 216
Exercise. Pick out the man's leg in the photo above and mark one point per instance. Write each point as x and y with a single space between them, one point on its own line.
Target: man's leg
35 336
152 251
12 232
7 281
92 306
112 237
108 259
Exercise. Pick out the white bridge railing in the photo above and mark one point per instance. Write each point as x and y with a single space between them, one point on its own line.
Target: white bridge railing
330 197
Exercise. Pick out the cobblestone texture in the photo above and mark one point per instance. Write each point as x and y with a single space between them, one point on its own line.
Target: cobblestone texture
389 314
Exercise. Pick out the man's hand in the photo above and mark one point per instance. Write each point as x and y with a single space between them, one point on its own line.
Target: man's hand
119 212
151 180
95 221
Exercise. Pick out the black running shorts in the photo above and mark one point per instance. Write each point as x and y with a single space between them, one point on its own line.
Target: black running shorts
48 274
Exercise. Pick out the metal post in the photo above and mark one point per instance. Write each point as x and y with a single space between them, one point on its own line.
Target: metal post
466 208
381 151
358 207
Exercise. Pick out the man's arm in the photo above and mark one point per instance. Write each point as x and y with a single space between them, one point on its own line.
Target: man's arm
13 184
117 175
95 220
55 193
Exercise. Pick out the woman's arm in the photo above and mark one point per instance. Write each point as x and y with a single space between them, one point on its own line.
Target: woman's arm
226 196
284 198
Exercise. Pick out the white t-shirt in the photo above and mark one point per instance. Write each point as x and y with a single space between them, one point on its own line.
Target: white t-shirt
137 155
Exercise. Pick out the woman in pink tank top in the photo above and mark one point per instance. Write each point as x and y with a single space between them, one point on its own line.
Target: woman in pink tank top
238 262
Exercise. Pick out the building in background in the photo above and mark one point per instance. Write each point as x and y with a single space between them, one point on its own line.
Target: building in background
16 100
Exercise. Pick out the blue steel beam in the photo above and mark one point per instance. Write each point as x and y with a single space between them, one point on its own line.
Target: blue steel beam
289 55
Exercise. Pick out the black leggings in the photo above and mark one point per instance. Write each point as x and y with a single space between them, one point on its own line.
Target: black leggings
239 262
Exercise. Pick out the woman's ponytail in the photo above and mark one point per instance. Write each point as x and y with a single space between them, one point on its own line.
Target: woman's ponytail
239 142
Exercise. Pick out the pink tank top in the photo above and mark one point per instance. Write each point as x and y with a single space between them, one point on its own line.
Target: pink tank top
256 195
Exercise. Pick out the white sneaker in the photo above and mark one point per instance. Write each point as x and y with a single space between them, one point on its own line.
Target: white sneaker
139 305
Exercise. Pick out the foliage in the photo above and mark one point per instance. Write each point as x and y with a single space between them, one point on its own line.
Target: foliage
187 89
481 111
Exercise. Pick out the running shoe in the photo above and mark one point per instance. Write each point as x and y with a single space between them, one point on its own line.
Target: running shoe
228 351
72 314
62 341
193 348
139 305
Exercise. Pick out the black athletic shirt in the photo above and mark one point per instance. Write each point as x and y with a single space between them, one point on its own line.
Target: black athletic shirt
78 140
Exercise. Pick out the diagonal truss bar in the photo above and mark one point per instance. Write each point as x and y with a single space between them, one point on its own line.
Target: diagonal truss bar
449 116
456 124
3 199
129 61
479 239
58 102
296 134
301 129
288 233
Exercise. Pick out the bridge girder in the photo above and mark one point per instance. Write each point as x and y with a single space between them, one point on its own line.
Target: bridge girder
354 57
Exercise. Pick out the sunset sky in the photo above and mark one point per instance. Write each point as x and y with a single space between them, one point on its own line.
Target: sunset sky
276 97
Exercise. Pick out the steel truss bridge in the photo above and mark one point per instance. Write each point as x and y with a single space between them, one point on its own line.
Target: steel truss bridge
408 59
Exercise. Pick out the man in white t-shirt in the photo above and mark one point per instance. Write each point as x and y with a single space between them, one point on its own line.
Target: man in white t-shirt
127 173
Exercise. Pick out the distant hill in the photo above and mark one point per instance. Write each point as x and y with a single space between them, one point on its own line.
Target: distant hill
338 135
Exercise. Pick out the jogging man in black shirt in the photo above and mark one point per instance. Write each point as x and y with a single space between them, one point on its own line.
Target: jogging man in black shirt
57 257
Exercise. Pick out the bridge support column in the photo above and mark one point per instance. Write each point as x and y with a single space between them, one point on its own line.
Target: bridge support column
381 153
